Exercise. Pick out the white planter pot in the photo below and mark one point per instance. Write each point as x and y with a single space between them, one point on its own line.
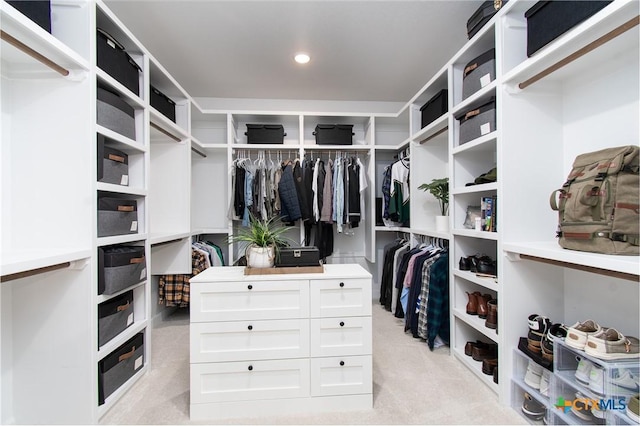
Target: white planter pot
260 257
442 224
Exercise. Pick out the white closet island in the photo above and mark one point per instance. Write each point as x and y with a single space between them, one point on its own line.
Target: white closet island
280 344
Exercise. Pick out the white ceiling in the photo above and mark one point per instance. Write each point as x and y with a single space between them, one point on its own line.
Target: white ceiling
360 50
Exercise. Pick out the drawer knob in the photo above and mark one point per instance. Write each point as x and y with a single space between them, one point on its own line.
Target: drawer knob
250 327
341 363
341 323
341 284
249 286
250 367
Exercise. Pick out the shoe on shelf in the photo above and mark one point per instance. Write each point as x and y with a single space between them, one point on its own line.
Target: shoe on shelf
532 408
486 267
582 408
611 344
596 380
555 331
482 305
544 382
624 383
583 371
468 348
489 351
495 375
533 374
492 315
538 327
633 408
578 333
472 304
488 365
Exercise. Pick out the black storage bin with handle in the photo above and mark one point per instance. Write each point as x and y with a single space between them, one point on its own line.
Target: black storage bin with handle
477 122
114 316
434 108
482 15
265 133
298 256
119 366
39 11
334 134
163 104
115 61
117 216
115 114
113 164
478 73
547 20
120 267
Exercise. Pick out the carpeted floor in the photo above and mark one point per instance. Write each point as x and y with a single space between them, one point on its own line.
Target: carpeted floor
412 385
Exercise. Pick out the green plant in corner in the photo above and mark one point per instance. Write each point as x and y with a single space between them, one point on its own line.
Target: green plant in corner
264 233
439 188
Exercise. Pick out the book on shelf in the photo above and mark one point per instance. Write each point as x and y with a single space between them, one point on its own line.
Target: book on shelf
488 213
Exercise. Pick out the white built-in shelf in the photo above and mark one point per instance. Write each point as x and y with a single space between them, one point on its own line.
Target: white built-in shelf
551 250
608 19
475 188
203 231
104 297
486 282
434 129
485 143
475 234
475 322
117 137
195 143
431 233
159 238
121 189
162 127
475 100
18 261
270 146
476 367
120 239
312 147
129 96
393 229
127 333
17 63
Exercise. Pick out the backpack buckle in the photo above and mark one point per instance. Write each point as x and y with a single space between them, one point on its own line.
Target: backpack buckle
600 176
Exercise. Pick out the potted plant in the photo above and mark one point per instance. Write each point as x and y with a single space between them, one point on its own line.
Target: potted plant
262 239
439 188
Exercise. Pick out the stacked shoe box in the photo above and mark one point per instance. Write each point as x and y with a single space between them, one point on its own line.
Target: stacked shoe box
590 390
529 389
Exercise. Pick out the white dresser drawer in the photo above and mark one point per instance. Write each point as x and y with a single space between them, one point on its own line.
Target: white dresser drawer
340 297
341 336
249 340
237 381
341 375
228 301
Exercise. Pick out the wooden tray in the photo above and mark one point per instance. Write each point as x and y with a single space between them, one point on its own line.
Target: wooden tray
285 270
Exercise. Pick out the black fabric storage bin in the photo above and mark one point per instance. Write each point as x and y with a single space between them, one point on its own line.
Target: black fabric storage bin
163 104
477 122
115 114
117 216
547 20
120 267
114 316
334 134
434 108
112 59
113 164
298 256
119 366
482 15
265 133
39 11
478 73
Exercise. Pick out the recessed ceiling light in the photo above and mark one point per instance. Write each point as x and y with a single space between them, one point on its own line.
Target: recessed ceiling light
302 58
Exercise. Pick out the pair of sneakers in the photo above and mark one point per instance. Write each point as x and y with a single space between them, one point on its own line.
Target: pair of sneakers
601 342
623 383
542 333
537 377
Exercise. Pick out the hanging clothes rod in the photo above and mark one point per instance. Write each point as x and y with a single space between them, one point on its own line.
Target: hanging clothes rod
163 131
592 269
35 55
583 51
24 274
201 154
439 132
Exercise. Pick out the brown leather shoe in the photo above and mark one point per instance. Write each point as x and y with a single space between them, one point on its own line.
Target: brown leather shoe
472 304
495 375
480 354
482 305
468 348
488 365
492 314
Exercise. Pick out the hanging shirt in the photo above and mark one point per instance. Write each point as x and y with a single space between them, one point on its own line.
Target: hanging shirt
327 193
399 201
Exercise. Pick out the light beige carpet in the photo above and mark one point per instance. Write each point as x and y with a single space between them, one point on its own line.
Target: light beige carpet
412 385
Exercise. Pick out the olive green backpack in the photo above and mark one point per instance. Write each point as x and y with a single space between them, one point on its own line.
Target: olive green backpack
598 205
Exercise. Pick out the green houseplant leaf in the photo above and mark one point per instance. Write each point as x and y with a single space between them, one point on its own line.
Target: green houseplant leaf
262 233
439 188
